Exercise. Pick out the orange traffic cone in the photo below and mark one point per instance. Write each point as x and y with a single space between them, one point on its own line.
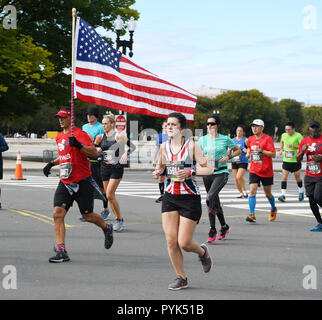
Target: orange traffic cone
18 172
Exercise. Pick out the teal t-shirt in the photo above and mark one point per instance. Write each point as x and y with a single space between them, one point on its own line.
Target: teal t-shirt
94 130
216 148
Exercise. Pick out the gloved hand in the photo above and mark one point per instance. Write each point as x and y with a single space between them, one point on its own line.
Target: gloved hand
73 142
46 169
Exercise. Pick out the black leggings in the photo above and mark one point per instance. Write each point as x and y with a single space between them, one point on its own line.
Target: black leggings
313 187
213 184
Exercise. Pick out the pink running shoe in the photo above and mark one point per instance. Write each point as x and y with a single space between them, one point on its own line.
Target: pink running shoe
223 231
212 235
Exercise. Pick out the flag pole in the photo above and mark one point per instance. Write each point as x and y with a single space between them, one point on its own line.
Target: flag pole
73 58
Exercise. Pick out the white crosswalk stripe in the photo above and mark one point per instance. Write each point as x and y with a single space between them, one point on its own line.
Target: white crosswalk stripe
228 196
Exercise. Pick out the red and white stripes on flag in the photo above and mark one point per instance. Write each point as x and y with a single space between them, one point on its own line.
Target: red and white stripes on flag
104 76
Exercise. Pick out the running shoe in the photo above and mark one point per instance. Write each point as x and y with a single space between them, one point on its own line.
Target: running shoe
178 284
317 228
272 215
281 198
246 196
118 225
108 237
240 197
251 218
205 259
105 214
159 199
212 235
301 196
61 256
223 231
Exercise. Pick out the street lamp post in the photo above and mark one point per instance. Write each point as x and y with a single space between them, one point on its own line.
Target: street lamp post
124 43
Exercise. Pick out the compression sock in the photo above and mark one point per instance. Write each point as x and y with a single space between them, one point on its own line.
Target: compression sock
283 187
252 204
161 188
272 202
300 186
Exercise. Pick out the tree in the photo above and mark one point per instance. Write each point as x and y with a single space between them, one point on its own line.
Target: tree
242 107
293 111
309 114
49 23
23 66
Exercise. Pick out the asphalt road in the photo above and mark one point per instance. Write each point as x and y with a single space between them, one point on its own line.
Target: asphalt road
269 260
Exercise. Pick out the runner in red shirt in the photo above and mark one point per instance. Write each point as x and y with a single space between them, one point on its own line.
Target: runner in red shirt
311 146
76 183
260 151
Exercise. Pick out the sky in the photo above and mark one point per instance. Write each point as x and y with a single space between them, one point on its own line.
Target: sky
274 46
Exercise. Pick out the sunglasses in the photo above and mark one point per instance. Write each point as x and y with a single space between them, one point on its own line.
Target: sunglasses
211 123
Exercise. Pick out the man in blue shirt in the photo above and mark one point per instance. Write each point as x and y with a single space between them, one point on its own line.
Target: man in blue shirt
3 147
93 128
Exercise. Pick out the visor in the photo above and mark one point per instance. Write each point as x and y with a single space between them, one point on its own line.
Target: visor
63 113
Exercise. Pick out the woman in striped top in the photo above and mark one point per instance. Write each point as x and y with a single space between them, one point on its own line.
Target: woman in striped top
181 204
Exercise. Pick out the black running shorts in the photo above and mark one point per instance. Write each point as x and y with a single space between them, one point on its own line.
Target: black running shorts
188 206
83 197
236 165
313 187
292 166
266 181
112 172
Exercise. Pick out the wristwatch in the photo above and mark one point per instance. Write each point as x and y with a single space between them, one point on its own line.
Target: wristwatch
193 171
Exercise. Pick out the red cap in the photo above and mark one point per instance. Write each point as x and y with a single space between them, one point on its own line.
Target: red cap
63 113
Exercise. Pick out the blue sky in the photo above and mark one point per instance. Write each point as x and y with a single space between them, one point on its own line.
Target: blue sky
273 46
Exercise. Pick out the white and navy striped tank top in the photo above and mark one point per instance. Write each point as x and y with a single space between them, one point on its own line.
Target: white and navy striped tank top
188 186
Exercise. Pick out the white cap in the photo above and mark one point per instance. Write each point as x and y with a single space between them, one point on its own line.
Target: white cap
258 122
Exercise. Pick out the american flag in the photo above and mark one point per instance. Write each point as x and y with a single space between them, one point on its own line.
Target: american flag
104 76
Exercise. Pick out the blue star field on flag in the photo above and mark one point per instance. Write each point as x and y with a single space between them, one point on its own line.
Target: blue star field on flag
91 47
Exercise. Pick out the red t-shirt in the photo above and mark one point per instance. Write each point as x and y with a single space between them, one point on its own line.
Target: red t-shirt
314 148
80 164
265 167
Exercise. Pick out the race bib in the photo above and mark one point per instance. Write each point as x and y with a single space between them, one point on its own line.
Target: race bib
256 156
65 170
214 162
171 169
313 167
109 156
289 154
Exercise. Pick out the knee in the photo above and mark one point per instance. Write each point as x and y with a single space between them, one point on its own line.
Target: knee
59 214
110 196
172 243
185 245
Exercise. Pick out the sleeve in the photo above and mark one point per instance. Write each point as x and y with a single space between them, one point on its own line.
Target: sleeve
3 144
301 145
230 143
300 138
270 145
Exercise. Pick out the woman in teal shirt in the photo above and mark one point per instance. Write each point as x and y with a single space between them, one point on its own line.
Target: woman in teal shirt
215 146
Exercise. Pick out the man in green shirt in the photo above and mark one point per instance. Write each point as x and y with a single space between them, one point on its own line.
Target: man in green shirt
289 146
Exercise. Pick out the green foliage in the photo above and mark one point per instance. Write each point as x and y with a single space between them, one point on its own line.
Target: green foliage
49 24
311 113
23 66
238 107
293 111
